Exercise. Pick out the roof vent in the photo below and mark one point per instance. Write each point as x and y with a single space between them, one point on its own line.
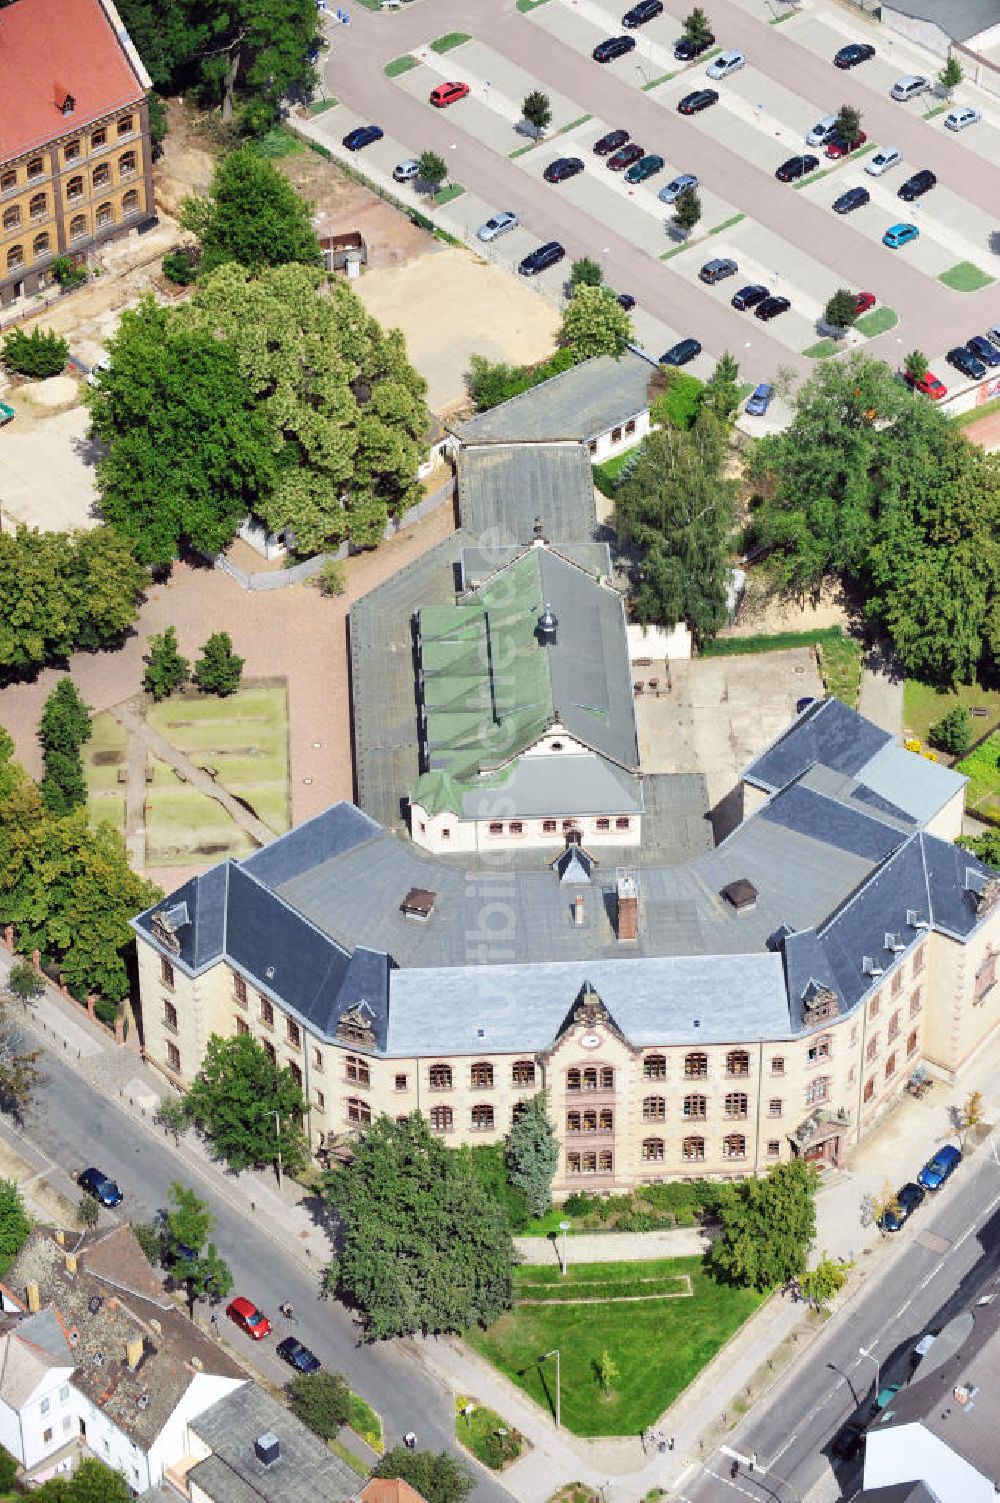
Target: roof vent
893 943
741 895
419 904
94 1303
142 1402
267 1448
914 920
480 1033
98 1359
548 625
538 530
696 1023
870 967
269 973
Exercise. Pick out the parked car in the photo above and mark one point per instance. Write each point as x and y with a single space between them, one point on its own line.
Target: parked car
362 135
685 49
965 115
908 1198
931 387
771 307
701 99
884 158
759 400
97 1184
863 301
541 259
916 186
100 365
837 146
249 1319
612 141
405 172
7 411
853 54
796 167
633 152
646 10
498 225
981 347
941 1167
562 169
909 87
854 198
822 131
726 63
681 353
900 234
676 186
750 296
848 1442
994 333
606 52
448 93
298 1356
645 168
717 270
968 364
625 300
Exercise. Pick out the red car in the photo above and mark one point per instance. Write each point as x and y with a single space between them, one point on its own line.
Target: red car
863 301
249 1319
928 383
838 147
447 93
626 157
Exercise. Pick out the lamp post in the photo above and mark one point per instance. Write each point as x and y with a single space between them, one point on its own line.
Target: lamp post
866 1351
277 1130
564 1228
544 1358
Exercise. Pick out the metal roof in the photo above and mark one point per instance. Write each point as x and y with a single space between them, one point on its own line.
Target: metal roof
914 783
958 19
304 1472
503 488
581 403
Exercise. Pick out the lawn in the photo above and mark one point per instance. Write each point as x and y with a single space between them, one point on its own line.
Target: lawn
279 142
318 106
964 277
449 40
822 350
445 195
184 826
401 65
982 768
658 1344
963 419
486 1434
606 473
876 322
103 755
924 704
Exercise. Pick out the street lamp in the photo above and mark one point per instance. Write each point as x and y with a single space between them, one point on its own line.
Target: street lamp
866 1351
277 1130
544 1358
564 1228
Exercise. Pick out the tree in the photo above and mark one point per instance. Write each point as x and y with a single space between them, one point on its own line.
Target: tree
820 1284
687 209
63 728
951 74
8 1471
972 1115
595 323
173 1114
608 1372
767 1227
848 123
953 732
537 110
698 28
149 1235
90 1482
438 1477
532 1153
841 310
15 1224
677 512
189 446
166 668
433 170
321 1400
40 353
247 1107
915 365
985 847
218 670
24 982
425 1248
585 273
18 1068
721 393
88 1211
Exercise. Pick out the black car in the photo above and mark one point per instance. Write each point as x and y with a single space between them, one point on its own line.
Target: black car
625 300
853 54
771 307
968 364
796 167
681 353
917 185
646 10
717 270
983 350
298 1356
692 104
853 199
606 52
908 1198
541 259
849 1441
562 168
686 49
100 1187
613 141
628 154
749 297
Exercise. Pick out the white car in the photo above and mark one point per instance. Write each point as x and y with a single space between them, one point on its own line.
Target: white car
405 172
726 63
102 363
822 131
498 225
965 115
884 158
676 186
910 86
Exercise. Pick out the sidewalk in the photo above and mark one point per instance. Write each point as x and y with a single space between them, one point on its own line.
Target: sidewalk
613 1247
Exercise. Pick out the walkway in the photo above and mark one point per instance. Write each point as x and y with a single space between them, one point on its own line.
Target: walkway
613 1247
881 698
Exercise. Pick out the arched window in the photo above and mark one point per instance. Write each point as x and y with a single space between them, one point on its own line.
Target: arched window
523 1072
359 1112
36 168
442 1119
78 227
695 1065
482 1117
101 176
654 1067
572 1080
693 1149
38 206
440 1077
125 126
736 1104
74 188
606 1120
98 138
590 1078
12 217
653 1150
654 1108
573 1163
130 203
71 151
738 1062
605 1161
15 257
734 1146
695 1106
126 164
607 1078
481 1075
40 246
572 1121
8 182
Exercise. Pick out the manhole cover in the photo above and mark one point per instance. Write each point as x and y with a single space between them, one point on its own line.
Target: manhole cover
933 1242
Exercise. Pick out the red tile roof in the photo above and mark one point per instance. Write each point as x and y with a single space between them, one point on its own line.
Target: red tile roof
389 1490
51 48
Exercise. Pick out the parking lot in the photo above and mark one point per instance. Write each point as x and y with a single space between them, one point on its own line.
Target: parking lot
783 235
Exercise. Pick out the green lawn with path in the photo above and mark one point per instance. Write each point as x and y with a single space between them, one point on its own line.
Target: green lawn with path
103 756
925 704
982 768
659 1341
964 277
823 349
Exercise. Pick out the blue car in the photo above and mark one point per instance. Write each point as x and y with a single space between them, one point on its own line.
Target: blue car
934 1173
899 234
100 1187
298 1356
759 400
362 135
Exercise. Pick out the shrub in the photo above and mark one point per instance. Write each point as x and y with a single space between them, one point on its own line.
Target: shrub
953 732
26 984
332 578
88 1210
8 1471
181 267
40 353
679 403
579 1203
321 1400
67 273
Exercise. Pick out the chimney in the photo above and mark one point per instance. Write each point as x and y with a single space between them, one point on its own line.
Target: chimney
156 1328
34 1302
71 1262
548 625
60 1237
628 907
267 1448
133 1352
578 910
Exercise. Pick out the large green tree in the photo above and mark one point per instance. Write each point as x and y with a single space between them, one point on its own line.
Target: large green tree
321 1400
247 1107
191 1256
767 1227
15 1223
439 1477
595 323
425 1247
90 1482
532 1153
251 214
676 511
63 728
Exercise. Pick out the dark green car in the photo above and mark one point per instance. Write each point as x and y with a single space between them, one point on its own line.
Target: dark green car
6 413
644 168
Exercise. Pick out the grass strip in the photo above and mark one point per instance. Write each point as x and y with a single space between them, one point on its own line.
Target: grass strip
354 1462
938 109
777 20
876 322
726 224
675 252
574 123
521 150
365 1422
526 5
822 350
813 177
654 83
964 276
319 105
445 195
449 40
606 473
401 65
779 641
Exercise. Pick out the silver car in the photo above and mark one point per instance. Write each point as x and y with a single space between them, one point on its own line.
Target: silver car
676 187
405 172
822 131
726 63
498 225
884 158
965 115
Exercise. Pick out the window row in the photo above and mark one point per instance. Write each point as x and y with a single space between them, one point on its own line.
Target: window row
38 208
734 1146
735 1104
591 1078
481 1075
35 168
79 229
442 1118
101 176
550 826
654 1066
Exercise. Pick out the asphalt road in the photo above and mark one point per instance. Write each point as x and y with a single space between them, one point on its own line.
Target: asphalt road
924 1286
75 1126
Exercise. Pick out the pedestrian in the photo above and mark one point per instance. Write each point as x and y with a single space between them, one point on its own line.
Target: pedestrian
486 86
215 1318
670 1443
410 1441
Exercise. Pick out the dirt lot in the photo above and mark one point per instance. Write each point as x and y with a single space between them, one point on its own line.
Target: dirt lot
985 432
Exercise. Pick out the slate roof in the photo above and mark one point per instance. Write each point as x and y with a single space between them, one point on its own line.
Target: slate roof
827 732
914 783
958 19
305 1471
502 488
581 403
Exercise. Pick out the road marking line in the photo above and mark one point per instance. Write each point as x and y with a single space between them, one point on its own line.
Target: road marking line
779 1453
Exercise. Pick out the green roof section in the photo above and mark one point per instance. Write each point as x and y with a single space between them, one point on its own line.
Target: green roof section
437 793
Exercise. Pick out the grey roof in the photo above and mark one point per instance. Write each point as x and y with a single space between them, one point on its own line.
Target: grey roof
958 19
914 783
558 785
580 403
503 487
478 564
828 733
305 1471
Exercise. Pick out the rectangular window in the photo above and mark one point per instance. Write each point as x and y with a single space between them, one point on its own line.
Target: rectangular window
64 1394
854 1033
320 1102
874 1005
170 1016
890 1065
773 1148
911 1044
240 991
893 1027
897 983
45 1405
616 435
869 1089
293 1033
630 427
318 1059
174 1057
516 827
918 961
401 1083
872 1049
777 1064
852 1075
166 971
774 1107
604 824
266 1013
295 1072
592 449
622 822
67 1423
242 1027
915 1002
496 827
47 1436
549 826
